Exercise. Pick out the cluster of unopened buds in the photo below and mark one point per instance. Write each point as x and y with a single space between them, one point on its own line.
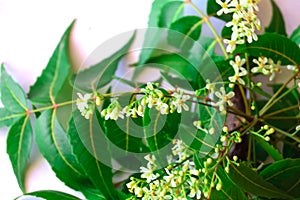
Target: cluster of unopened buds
179 180
244 21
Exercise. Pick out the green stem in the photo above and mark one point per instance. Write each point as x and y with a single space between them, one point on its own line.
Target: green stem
273 98
284 117
213 30
281 111
52 106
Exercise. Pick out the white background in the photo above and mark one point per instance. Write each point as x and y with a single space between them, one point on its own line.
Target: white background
29 32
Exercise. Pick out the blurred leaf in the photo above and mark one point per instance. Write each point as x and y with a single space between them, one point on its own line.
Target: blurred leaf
18 148
12 95
170 12
208 44
295 37
102 73
50 195
274 153
251 182
47 86
190 27
7 118
152 36
273 46
284 174
213 7
88 155
277 24
54 145
175 64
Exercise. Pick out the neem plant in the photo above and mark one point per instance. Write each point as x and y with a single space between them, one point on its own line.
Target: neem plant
205 129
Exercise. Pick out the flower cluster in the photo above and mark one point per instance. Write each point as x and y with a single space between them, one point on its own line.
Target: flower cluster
266 66
179 180
244 21
153 97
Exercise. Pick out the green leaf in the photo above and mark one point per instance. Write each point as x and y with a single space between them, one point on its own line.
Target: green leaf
177 65
170 12
7 118
208 44
251 182
53 144
213 7
102 73
274 153
93 194
12 95
84 135
190 27
48 85
277 24
51 195
18 148
159 129
295 37
152 36
274 46
284 174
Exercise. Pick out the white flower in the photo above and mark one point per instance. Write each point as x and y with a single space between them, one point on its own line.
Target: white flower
225 7
232 44
82 102
178 101
262 66
224 98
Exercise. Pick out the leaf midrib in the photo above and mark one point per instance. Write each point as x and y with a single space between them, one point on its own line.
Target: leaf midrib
57 146
96 157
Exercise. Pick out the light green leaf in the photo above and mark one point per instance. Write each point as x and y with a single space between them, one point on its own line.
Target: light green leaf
273 46
90 149
277 24
18 148
48 85
102 73
284 174
295 37
53 144
170 12
152 37
251 182
7 118
12 95
50 195
274 153
190 27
